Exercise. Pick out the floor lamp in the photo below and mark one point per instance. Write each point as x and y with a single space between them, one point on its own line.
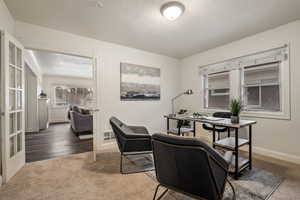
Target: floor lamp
188 92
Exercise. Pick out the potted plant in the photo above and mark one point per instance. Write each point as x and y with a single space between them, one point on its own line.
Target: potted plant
235 108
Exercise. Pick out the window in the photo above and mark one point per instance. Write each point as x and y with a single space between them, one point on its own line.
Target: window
217 92
261 87
60 96
65 95
261 80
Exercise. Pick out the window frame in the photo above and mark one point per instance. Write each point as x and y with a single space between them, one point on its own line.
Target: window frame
284 95
236 79
256 108
54 103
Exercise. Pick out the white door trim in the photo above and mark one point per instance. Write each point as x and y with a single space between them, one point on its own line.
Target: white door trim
1 112
96 79
11 164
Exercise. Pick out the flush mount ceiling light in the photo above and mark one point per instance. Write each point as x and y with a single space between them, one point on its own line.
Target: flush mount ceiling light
172 10
95 3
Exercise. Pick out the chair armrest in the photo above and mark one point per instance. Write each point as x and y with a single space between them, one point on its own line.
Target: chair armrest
82 118
223 161
138 136
139 130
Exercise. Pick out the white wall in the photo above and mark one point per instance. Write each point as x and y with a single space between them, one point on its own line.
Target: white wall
31 101
148 113
59 114
279 138
7 22
35 68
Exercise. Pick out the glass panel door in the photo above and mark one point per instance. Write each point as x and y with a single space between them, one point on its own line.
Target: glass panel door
12 116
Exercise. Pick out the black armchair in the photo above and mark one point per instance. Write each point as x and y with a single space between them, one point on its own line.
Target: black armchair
131 140
189 166
183 127
218 129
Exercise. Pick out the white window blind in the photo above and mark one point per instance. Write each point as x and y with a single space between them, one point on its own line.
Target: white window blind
217 91
269 56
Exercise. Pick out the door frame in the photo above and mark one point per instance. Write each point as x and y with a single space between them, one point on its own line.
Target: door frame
96 115
1 112
96 84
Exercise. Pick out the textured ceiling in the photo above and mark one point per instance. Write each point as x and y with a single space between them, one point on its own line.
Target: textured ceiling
139 24
63 65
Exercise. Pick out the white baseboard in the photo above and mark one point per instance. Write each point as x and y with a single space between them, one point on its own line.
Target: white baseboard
278 155
258 150
32 131
265 152
107 145
85 137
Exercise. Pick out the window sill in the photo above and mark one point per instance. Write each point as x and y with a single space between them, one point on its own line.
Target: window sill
267 115
254 114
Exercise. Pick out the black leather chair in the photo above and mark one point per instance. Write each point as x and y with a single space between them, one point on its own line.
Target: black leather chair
189 166
184 126
132 140
219 129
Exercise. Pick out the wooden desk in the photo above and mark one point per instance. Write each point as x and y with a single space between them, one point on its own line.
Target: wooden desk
229 143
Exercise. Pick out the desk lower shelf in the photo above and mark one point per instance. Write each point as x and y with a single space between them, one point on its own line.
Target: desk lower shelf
229 143
243 163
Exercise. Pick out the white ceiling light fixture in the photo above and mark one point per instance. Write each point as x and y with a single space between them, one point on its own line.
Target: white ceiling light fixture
95 3
172 10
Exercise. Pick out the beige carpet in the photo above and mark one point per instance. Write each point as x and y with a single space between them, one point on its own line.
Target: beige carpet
78 178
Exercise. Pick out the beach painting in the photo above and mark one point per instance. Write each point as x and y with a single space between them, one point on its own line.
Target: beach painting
139 83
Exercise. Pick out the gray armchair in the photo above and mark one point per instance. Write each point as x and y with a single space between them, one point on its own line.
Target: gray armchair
81 123
131 140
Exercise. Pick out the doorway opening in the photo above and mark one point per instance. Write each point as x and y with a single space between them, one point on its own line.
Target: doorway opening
59 97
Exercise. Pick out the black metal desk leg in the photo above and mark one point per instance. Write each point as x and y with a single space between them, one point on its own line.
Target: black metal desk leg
236 149
179 130
194 130
250 147
228 130
214 135
168 125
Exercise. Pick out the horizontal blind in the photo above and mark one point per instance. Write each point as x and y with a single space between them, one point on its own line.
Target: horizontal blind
262 75
218 81
269 56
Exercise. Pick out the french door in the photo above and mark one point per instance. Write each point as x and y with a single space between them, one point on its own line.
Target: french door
12 106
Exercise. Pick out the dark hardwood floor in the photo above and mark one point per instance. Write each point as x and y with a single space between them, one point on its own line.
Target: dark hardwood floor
58 140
